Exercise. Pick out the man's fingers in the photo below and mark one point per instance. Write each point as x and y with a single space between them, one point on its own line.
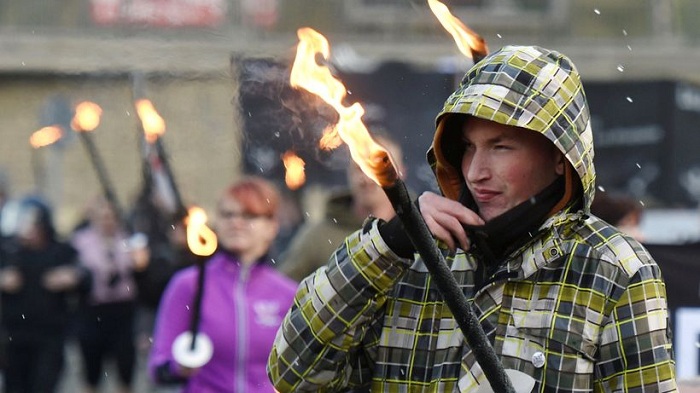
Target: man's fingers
439 232
446 219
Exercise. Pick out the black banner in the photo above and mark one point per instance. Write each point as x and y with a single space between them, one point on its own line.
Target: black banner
399 101
645 133
681 272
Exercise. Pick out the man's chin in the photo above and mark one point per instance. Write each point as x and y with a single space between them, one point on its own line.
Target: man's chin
489 214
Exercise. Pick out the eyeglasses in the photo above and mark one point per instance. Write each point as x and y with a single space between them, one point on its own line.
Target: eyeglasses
227 215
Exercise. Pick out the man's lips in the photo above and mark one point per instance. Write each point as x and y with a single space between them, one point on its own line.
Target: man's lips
483 195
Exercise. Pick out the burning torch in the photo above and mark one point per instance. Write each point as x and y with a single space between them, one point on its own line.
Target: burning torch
377 164
41 138
86 119
152 126
294 176
193 348
468 42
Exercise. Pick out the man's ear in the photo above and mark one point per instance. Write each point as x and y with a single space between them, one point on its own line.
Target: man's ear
560 163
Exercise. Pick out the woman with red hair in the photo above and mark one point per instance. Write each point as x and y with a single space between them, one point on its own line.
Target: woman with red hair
243 303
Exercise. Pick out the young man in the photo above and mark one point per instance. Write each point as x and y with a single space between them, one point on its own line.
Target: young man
563 297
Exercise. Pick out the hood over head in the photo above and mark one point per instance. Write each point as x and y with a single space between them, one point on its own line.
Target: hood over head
525 86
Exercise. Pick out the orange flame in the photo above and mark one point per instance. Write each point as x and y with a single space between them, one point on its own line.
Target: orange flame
45 136
153 124
468 42
294 165
373 159
200 238
87 116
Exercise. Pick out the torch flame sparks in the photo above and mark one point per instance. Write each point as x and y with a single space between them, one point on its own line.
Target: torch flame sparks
373 159
468 42
87 116
294 165
153 124
45 136
200 238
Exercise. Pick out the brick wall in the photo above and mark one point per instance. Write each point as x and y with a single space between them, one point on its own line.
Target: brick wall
202 137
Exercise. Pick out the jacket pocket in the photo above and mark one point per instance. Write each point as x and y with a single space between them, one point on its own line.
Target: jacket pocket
565 333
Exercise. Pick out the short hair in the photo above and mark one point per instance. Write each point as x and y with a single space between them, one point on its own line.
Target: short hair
257 196
612 208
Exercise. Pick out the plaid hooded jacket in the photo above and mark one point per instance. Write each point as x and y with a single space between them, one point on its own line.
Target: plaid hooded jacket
580 307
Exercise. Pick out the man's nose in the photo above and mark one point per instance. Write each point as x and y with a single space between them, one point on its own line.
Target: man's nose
477 167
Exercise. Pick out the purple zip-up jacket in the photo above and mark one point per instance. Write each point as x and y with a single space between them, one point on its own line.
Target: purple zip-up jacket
241 312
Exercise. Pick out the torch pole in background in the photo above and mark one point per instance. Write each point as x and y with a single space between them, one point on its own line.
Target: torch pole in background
137 82
38 170
193 348
422 239
100 169
197 307
137 93
180 208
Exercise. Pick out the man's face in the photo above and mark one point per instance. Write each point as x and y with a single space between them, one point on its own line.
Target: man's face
506 165
365 191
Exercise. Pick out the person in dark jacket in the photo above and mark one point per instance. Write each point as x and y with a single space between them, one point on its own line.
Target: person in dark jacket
346 209
620 210
38 275
105 327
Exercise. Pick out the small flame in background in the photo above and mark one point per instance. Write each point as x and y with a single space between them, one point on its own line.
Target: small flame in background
45 136
153 124
469 43
200 238
373 159
87 116
294 166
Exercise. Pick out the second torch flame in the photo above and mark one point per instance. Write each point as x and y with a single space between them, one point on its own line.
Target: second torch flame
373 159
469 43
153 123
87 116
294 175
200 238
45 136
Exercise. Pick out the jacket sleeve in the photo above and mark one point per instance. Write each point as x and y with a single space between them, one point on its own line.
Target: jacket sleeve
304 255
318 346
635 352
84 284
172 319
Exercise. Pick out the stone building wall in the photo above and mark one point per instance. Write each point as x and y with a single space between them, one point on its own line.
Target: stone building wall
202 137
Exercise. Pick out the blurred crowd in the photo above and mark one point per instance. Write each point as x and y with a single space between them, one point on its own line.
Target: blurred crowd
123 287
121 291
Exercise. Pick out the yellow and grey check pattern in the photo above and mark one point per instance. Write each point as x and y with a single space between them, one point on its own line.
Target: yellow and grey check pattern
587 298
580 308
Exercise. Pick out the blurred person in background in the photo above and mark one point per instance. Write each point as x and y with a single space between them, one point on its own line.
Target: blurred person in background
345 211
4 197
4 189
163 252
105 326
244 298
153 270
39 274
622 211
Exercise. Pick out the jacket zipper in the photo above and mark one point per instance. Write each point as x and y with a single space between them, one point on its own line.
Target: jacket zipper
240 302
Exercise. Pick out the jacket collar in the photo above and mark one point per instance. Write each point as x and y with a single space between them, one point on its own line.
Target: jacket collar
511 230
